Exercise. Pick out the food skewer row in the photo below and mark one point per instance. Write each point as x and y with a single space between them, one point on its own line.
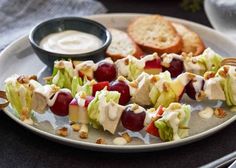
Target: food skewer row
68 74
103 110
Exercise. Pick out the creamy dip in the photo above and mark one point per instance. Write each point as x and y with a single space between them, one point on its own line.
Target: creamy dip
70 42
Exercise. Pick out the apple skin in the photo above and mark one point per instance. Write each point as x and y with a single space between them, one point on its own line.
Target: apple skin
74 102
61 105
153 67
133 121
99 86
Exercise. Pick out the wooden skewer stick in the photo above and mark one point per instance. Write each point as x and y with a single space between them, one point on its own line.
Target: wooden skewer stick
3 96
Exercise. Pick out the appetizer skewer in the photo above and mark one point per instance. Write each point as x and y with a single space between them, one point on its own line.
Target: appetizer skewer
102 102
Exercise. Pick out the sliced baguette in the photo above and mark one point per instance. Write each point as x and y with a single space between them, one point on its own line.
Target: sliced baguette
155 34
192 43
122 45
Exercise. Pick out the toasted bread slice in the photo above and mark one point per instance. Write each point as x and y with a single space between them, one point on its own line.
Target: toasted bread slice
192 43
155 34
122 45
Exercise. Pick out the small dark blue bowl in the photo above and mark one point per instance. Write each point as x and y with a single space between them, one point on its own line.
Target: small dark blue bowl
69 23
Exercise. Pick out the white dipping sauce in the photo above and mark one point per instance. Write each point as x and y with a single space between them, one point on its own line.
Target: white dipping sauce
70 42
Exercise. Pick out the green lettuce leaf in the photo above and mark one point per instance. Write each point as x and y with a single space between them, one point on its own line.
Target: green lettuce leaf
19 96
62 77
174 123
211 60
76 83
134 70
93 108
228 82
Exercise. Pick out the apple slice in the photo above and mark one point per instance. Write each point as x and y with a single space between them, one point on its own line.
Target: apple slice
151 128
99 86
178 88
74 111
153 67
77 114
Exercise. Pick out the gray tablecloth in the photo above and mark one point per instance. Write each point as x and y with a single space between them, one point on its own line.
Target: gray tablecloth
17 17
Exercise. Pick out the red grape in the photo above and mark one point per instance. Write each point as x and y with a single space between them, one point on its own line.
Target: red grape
105 72
176 67
133 121
61 105
123 89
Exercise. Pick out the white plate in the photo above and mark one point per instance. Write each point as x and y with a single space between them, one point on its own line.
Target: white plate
19 58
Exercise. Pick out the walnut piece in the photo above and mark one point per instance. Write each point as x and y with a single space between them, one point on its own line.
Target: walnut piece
100 141
62 132
127 137
75 127
83 132
220 113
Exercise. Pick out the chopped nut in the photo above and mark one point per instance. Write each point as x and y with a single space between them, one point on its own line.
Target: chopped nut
83 132
200 96
127 137
75 127
83 135
55 88
209 75
190 76
154 79
59 64
220 113
126 62
62 132
224 72
165 86
100 141
33 77
23 79
134 84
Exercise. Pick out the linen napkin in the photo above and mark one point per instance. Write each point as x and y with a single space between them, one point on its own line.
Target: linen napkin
17 17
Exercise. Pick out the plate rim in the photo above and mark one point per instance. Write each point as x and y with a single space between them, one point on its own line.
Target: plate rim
118 148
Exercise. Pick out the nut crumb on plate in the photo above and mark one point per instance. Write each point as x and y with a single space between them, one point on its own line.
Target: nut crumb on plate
100 141
220 113
75 127
62 132
127 137
83 132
